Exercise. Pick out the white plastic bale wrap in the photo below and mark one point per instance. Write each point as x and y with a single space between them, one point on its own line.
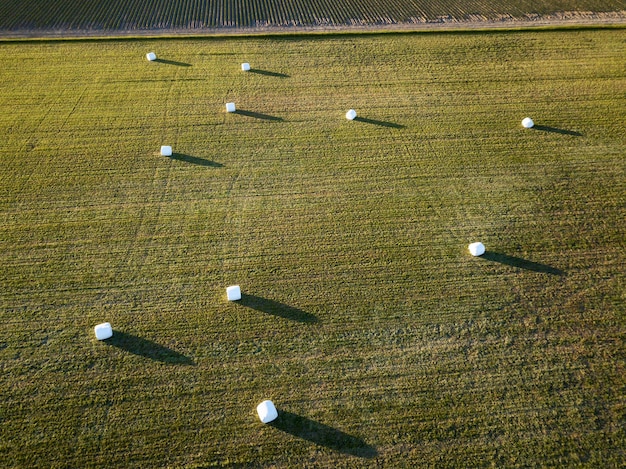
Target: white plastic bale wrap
476 249
151 56
245 66
527 123
230 107
233 293
103 331
267 411
166 150
351 115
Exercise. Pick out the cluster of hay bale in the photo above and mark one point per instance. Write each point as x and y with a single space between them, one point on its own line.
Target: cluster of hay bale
266 410
527 122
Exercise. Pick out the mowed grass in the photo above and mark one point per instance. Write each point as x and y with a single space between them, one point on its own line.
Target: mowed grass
379 338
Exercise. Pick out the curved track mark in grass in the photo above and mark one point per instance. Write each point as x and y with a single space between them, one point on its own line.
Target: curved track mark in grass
195 160
147 348
276 308
73 110
323 435
233 220
521 263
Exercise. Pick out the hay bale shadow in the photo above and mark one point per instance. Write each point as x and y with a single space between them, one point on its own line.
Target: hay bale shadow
521 263
195 160
258 115
268 73
276 308
555 130
366 120
172 62
322 435
147 348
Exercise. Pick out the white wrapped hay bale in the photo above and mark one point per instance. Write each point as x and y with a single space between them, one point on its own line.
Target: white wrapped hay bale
351 115
166 150
527 123
103 331
151 56
233 293
245 66
267 411
230 107
476 249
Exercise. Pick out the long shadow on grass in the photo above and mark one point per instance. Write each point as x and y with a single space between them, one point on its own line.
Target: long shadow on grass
195 160
268 73
258 115
277 309
322 435
172 62
392 125
521 263
545 128
147 348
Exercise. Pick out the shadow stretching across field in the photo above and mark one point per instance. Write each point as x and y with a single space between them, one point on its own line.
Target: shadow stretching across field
268 73
156 80
147 348
521 263
195 160
366 120
545 128
323 435
172 62
277 309
258 115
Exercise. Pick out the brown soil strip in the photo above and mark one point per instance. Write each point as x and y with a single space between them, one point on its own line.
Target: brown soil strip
558 20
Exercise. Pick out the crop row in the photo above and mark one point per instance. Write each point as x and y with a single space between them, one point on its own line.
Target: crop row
116 15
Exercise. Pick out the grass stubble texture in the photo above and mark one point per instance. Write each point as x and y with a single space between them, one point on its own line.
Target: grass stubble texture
379 338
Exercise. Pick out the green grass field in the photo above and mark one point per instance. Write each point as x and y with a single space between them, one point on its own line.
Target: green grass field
379 338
